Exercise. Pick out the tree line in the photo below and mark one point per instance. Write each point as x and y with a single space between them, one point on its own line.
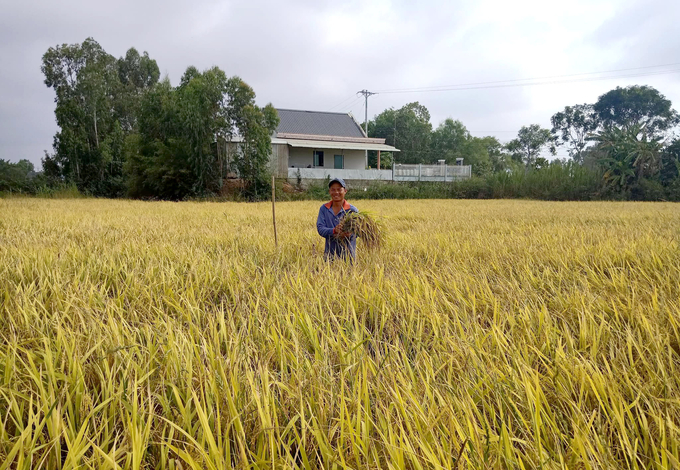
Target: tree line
624 141
123 131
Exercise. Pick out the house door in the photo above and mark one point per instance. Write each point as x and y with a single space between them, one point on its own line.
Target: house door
318 158
339 162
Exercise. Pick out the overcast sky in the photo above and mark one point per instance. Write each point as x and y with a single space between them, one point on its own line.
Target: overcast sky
312 54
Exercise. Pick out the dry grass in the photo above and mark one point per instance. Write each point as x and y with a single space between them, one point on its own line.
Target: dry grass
486 334
364 226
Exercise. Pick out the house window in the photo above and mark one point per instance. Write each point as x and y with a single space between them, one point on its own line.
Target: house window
339 162
318 158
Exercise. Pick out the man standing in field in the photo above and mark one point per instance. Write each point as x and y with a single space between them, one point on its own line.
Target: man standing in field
339 244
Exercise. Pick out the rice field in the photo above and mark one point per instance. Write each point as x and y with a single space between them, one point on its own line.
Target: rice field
483 334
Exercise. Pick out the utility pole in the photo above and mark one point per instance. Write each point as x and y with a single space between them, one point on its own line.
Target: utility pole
394 140
366 94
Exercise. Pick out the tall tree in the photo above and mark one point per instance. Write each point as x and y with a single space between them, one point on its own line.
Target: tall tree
448 142
95 110
530 142
407 128
172 156
201 100
499 159
480 153
255 125
137 73
572 126
640 106
84 80
157 157
451 140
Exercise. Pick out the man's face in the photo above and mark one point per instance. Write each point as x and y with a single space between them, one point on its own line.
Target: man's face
337 192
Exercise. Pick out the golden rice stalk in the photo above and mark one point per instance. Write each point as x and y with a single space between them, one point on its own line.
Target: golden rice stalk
364 226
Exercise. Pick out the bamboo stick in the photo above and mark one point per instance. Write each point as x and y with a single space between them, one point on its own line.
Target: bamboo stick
276 240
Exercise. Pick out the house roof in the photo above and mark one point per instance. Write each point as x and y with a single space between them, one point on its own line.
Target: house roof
294 121
322 144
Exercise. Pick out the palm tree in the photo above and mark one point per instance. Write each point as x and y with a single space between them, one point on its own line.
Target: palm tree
628 154
647 154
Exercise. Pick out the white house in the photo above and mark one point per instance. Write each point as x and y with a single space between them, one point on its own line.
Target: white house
316 144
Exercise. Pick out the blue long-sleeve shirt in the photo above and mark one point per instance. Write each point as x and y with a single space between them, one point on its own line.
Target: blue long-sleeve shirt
325 224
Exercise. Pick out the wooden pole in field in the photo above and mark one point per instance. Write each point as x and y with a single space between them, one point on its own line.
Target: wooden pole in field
276 240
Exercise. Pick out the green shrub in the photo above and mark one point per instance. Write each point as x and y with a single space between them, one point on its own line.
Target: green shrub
648 190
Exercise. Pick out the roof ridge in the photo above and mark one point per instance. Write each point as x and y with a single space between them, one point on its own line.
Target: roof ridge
310 111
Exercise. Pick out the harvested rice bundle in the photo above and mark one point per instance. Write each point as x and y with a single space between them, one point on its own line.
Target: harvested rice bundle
364 226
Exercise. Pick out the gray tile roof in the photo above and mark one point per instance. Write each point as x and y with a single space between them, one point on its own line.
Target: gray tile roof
317 123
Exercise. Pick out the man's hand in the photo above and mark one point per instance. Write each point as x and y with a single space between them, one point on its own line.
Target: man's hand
337 232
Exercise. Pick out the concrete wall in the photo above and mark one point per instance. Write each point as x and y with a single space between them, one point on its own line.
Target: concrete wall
301 157
322 173
352 185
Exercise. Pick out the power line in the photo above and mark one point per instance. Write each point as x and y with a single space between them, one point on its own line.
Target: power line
512 83
558 82
350 106
344 102
537 78
478 85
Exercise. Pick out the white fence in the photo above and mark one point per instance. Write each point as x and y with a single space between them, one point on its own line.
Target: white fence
399 172
402 172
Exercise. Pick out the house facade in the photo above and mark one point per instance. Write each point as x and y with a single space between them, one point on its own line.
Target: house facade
317 144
